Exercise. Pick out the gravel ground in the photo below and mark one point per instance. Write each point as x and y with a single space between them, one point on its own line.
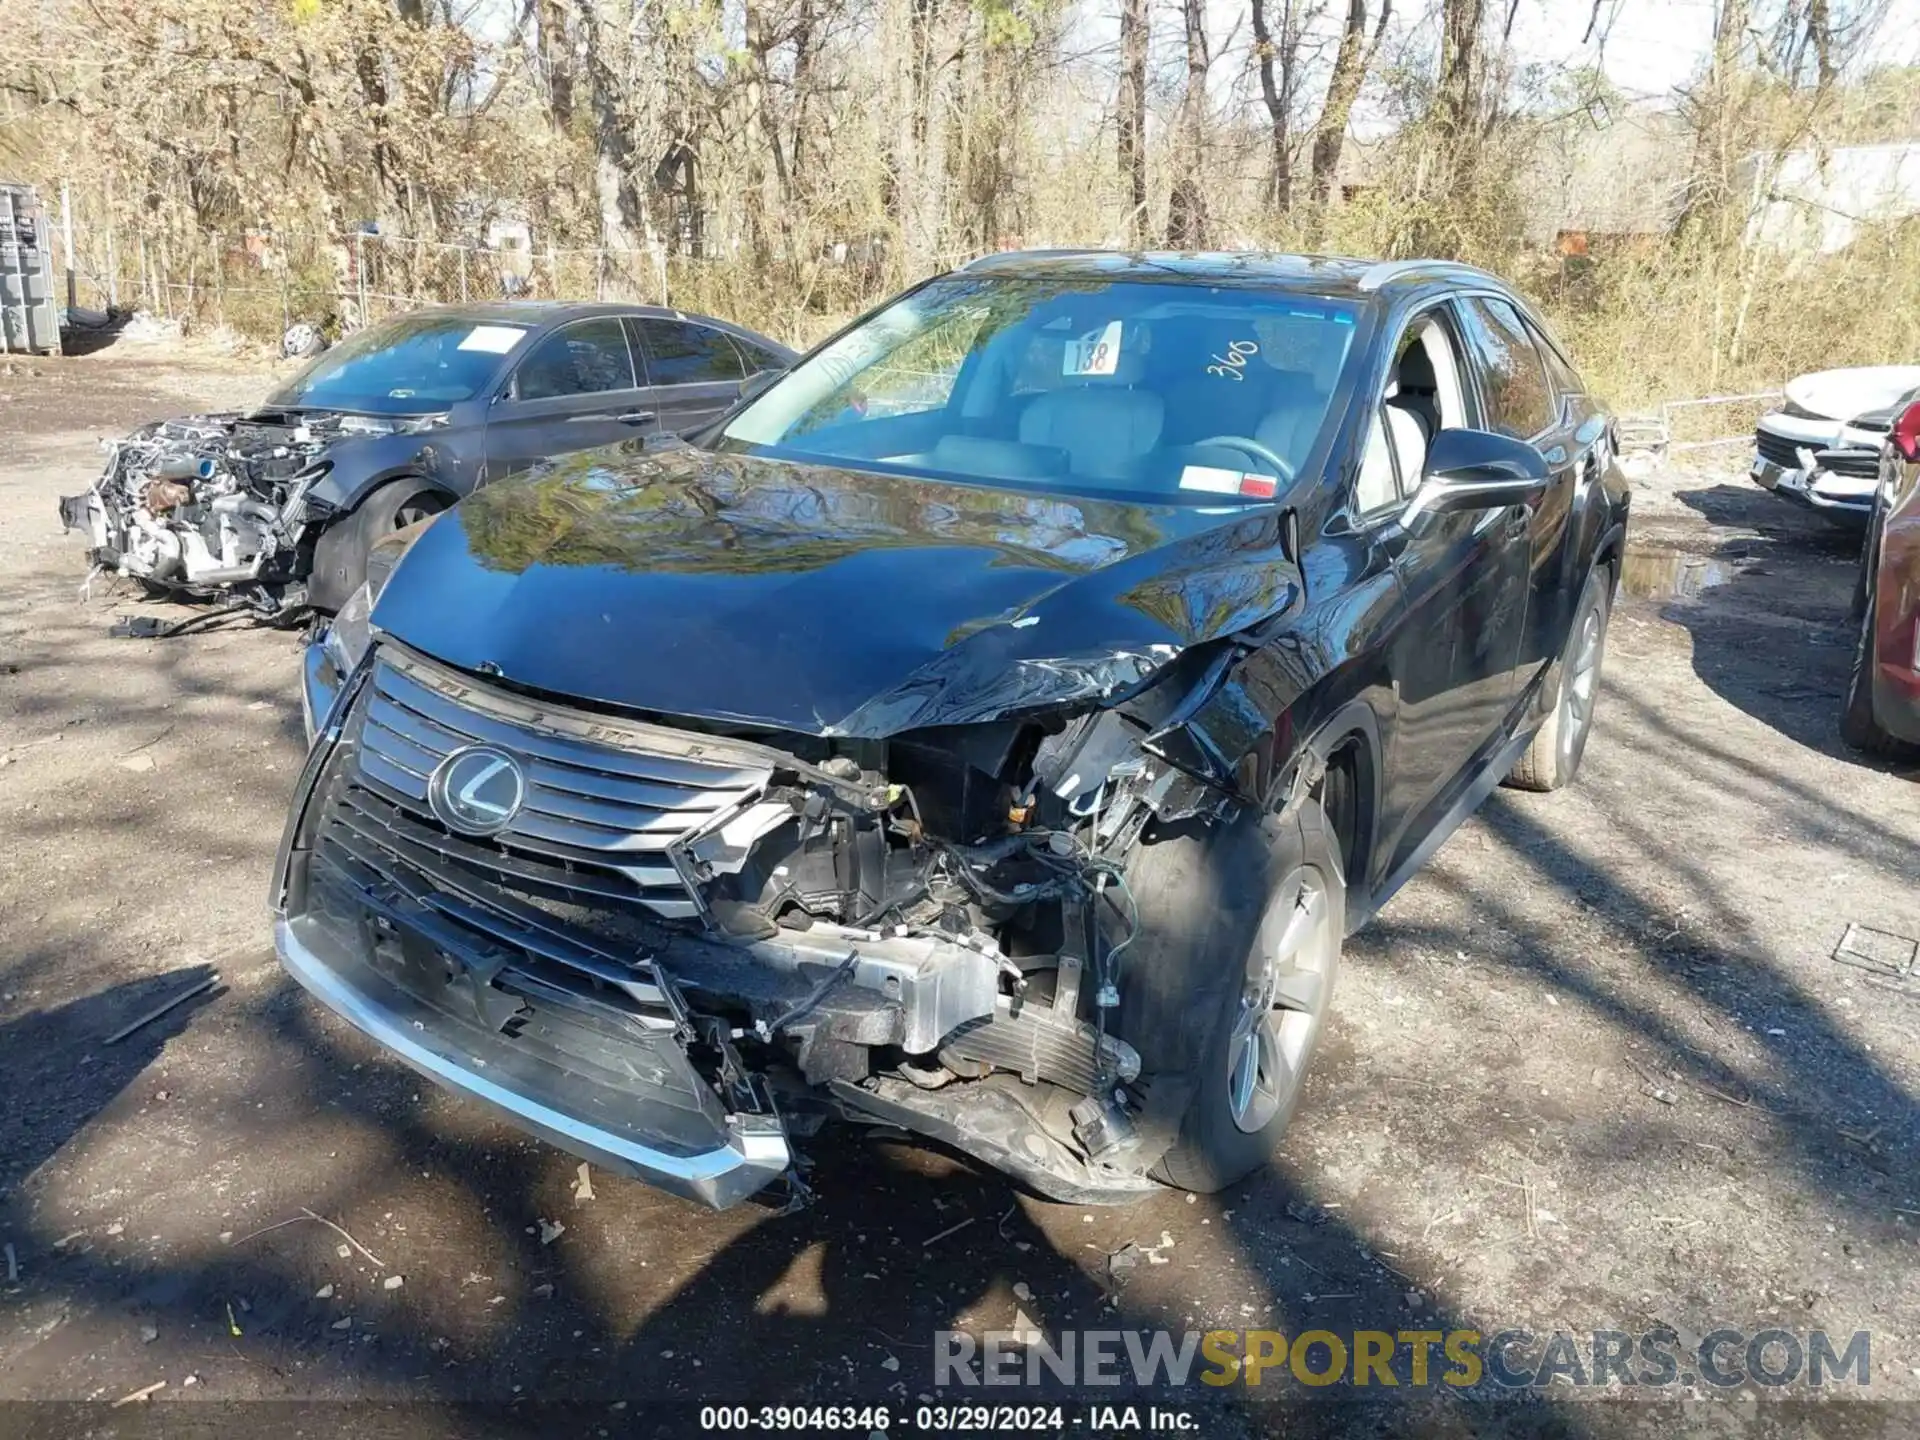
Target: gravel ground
1595 1069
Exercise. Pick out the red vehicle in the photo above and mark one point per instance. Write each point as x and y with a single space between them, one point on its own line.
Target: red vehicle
1882 710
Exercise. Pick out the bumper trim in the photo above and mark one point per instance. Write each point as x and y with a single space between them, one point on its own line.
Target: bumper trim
754 1155
1778 480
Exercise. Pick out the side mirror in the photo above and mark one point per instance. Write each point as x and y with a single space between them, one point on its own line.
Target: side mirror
1477 470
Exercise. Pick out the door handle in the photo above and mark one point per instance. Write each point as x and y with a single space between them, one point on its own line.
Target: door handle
637 417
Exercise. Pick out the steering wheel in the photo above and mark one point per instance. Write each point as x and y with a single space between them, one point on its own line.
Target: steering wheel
1249 447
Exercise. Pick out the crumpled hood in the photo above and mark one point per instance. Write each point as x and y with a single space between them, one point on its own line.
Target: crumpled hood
821 600
1843 394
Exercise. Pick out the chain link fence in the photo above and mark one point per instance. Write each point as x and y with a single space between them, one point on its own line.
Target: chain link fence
258 283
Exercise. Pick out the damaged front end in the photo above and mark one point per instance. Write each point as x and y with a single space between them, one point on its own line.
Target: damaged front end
213 504
674 947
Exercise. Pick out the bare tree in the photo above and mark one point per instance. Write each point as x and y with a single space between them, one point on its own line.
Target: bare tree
1276 60
603 51
1350 65
1132 128
1187 203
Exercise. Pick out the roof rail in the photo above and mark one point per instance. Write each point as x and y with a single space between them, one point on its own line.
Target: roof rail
1387 271
1052 253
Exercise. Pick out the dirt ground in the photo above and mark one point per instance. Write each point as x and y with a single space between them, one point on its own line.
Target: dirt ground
1595 1069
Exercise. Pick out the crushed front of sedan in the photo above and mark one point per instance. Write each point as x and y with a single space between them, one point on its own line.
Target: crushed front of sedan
207 504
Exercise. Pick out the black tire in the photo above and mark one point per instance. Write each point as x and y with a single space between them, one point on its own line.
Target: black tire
1213 905
1553 758
1859 727
1863 580
340 556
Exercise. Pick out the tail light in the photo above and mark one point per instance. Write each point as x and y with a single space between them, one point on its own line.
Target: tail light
1906 434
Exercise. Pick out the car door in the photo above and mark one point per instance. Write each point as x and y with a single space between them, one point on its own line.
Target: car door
1522 398
574 389
1462 577
694 370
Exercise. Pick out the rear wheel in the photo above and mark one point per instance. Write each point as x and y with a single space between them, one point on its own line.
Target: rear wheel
1553 759
1227 988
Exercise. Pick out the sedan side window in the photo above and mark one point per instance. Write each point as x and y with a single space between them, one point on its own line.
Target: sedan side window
682 353
1519 398
581 359
758 357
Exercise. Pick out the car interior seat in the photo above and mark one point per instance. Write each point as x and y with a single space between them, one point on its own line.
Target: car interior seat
1416 388
1106 424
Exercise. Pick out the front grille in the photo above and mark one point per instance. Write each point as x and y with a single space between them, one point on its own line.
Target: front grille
1855 462
575 886
1777 449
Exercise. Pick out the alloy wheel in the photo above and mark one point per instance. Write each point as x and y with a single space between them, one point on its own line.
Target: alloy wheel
1288 982
414 511
1582 680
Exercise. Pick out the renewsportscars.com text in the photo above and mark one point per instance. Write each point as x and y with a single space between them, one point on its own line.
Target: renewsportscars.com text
1511 1359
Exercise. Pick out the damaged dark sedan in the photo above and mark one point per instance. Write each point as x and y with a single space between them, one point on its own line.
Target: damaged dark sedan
992 731
279 506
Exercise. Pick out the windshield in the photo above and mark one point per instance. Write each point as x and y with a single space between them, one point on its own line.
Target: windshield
1134 387
413 365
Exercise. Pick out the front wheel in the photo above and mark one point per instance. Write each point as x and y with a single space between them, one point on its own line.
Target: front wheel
1859 727
340 557
1227 988
1553 759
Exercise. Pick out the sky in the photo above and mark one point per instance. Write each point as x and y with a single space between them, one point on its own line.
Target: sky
1648 48
1652 47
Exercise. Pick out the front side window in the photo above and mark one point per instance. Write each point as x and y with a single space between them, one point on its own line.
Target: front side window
1422 397
682 353
1173 390
413 365
1520 399
582 359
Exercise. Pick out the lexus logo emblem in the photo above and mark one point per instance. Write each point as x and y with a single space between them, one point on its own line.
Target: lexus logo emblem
477 790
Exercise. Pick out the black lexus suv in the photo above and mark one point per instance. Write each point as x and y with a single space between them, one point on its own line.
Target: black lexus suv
991 728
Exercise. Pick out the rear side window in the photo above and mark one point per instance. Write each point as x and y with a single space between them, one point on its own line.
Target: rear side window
682 353
582 359
1564 375
1520 399
757 356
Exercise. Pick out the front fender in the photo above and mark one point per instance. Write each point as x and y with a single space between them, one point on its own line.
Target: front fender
361 466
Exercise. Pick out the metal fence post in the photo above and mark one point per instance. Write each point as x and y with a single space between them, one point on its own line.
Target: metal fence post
66 231
463 274
113 270
360 271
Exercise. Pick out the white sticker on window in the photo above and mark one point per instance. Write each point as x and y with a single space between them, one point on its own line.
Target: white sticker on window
1095 353
1210 478
494 339
1217 481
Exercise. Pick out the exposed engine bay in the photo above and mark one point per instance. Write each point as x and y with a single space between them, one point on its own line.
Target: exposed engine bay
208 504
928 931
974 880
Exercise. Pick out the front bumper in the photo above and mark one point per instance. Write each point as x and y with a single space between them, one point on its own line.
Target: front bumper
1843 500
650 1127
